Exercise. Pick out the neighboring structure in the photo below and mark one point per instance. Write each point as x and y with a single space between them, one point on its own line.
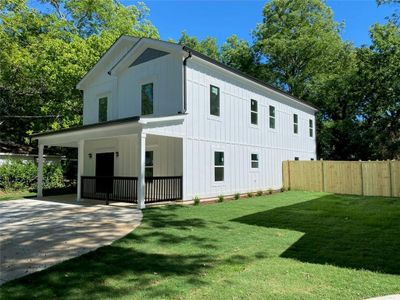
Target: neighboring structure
162 122
13 151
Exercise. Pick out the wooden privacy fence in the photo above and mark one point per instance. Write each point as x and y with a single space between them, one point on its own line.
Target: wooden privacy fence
369 178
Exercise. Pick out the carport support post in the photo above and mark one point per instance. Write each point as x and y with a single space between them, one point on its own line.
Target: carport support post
40 172
141 169
81 152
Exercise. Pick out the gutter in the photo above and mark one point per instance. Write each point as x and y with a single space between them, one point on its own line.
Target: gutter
184 79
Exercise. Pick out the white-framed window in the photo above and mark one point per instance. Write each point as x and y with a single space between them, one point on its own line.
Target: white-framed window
214 101
147 99
149 164
254 161
295 123
272 117
311 127
254 111
103 104
219 166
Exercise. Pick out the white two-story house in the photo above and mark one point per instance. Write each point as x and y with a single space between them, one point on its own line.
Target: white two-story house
164 122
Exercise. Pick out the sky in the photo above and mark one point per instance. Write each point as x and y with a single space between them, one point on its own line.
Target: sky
222 18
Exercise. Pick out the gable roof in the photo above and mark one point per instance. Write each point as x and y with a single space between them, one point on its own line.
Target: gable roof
170 47
246 76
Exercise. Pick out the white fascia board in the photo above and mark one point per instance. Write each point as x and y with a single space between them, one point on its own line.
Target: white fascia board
154 122
292 99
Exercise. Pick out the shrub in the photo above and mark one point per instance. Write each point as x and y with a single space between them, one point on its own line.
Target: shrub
17 175
196 200
221 198
237 196
259 193
249 194
283 189
270 191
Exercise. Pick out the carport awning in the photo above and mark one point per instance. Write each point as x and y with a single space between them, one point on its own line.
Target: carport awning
70 137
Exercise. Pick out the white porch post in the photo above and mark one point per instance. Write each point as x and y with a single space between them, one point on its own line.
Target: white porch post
141 169
81 153
40 172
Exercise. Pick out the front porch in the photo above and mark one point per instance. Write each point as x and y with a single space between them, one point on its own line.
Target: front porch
122 161
124 189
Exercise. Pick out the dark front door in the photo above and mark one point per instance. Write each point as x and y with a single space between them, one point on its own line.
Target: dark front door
104 172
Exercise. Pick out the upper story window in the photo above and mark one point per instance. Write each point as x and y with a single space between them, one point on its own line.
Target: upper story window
214 101
311 127
103 109
295 123
218 166
254 161
149 164
147 99
254 112
272 117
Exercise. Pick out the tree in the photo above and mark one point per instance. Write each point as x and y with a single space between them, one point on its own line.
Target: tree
44 55
208 46
239 55
297 39
379 85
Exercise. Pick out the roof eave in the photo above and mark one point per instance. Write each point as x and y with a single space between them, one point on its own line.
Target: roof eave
248 77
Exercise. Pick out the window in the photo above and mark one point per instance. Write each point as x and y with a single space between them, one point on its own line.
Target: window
272 117
218 166
214 101
311 128
149 167
254 161
147 99
254 110
296 158
103 109
295 123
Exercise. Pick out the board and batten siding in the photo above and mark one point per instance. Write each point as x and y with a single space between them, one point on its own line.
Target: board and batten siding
234 134
167 155
123 90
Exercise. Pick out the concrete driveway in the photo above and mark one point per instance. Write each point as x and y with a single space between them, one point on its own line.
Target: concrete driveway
36 234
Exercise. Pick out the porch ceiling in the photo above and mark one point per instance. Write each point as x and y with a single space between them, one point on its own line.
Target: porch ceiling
128 126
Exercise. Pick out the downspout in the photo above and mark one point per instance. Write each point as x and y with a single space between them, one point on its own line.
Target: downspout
184 79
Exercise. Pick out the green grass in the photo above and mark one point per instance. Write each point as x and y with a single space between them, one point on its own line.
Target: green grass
15 195
293 245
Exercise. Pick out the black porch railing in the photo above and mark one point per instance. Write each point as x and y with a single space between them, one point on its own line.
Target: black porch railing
124 189
115 188
163 188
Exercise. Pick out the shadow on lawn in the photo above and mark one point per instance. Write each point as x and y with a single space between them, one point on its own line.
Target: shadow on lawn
353 232
131 268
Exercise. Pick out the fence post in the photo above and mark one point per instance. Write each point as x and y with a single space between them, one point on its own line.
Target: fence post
323 175
361 178
289 180
390 178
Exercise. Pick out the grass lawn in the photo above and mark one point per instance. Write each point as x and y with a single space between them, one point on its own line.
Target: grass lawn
293 245
15 195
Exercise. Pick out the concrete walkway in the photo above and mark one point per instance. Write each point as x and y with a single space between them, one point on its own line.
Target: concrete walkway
36 234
